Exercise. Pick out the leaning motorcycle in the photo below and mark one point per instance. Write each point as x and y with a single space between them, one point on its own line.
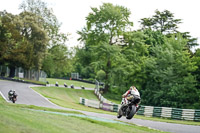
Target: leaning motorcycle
130 109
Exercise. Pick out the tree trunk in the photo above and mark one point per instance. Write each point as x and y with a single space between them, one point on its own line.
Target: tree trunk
12 71
17 72
26 74
29 74
38 75
107 86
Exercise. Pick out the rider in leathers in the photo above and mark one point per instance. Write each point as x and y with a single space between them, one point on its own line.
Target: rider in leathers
12 93
126 96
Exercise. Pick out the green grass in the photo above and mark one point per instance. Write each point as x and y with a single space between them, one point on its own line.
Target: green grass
111 97
14 118
44 108
69 98
69 82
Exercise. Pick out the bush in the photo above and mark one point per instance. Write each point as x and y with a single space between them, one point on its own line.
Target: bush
101 75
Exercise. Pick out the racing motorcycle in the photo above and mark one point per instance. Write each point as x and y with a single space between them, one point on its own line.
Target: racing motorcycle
12 96
130 109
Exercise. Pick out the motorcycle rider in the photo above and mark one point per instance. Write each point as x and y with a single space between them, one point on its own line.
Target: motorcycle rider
127 96
11 93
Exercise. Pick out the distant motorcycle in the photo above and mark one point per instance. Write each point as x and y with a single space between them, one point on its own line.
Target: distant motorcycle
130 109
12 96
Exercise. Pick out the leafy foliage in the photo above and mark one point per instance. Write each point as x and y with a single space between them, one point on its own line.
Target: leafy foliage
27 39
57 62
50 22
161 21
170 80
196 59
104 25
24 41
165 23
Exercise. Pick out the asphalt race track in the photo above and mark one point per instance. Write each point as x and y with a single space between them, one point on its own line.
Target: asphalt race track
28 96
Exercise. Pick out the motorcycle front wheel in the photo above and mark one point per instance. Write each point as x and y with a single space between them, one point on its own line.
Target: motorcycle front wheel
131 112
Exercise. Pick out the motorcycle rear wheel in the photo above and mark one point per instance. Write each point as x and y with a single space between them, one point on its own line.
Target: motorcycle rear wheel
13 100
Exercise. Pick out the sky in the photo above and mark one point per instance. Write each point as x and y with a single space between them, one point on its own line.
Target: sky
72 13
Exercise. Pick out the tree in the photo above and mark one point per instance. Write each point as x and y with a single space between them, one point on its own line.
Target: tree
104 25
106 58
170 81
24 42
32 30
56 40
191 41
136 53
50 22
57 62
13 46
82 62
162 21
165 23
196 59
